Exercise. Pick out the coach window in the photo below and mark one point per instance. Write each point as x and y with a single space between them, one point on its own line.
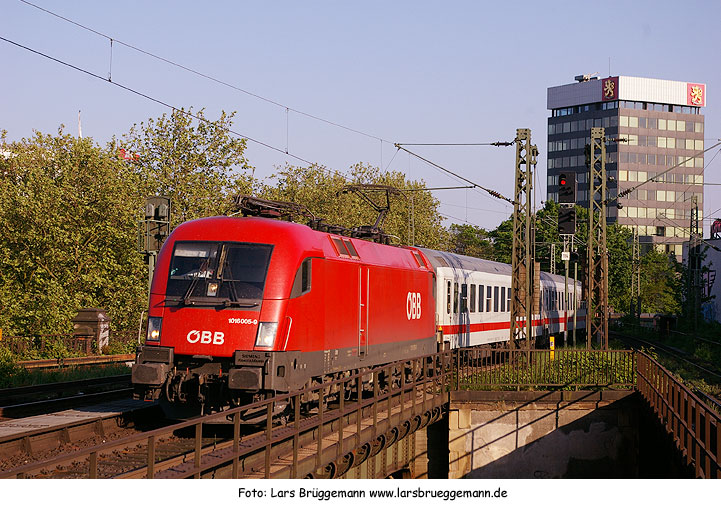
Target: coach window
495 299
489 291
480 298
464 298
472 299
503 299
508 304
455 297
448 297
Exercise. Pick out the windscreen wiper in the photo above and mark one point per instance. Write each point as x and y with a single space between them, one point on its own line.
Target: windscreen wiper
203 269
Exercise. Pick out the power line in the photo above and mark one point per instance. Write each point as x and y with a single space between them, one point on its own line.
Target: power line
494 144
493 193
474 208
206 76
158 101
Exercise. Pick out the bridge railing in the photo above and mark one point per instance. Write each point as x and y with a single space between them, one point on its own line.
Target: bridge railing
693 425
321 431
565 369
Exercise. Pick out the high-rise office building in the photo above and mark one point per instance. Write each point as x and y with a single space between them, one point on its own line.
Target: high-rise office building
651 125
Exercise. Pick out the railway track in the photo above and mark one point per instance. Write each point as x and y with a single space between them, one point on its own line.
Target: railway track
48 435
19 402
683 356
294 443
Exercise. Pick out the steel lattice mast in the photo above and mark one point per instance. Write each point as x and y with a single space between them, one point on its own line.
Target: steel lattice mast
522 252
597 317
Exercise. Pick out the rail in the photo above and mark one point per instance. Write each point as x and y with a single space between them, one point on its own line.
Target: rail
39 346
326 430
90 360
349 424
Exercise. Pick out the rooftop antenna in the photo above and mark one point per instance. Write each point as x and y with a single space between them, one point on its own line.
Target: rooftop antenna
586 77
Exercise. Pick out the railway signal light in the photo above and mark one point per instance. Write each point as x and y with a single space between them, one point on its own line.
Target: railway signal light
156 226
567 220
567 188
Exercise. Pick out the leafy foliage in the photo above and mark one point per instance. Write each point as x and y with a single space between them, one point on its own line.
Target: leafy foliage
470 241
68 212
661 284
197 163
413 216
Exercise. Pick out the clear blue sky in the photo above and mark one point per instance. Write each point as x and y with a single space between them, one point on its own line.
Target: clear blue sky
400 71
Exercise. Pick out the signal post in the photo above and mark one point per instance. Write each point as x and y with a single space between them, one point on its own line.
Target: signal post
567 187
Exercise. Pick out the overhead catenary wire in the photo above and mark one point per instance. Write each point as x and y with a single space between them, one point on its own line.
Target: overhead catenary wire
155 100
206 76
493 193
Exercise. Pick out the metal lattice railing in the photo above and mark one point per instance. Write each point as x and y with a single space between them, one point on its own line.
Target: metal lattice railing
693 426
566 369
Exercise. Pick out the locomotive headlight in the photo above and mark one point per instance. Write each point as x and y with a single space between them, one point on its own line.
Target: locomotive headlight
266 333
154 324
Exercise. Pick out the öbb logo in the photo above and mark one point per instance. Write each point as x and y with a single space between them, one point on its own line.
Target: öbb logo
206 337
413 306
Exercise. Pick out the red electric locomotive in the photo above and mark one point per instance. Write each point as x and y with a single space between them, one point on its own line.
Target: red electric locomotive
243 308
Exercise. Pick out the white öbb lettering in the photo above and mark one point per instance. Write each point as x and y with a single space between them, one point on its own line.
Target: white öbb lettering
206 337
413 306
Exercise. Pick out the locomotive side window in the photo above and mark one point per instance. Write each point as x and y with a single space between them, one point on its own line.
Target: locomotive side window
489 292
472 299
302 281
455 297
495 299
339 246
503 299
480 298
351 248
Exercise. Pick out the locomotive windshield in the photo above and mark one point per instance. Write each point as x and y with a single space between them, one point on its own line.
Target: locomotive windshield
218 273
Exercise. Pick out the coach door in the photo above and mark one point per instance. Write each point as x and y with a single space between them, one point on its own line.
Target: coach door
364 292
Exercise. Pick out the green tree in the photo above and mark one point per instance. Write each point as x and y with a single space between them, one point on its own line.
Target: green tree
194 161
471 241
68 213
661 283
413 216
546 234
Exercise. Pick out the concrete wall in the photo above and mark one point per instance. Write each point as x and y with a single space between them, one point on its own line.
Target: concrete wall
526 435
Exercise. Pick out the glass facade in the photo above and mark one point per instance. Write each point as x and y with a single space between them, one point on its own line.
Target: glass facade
645 140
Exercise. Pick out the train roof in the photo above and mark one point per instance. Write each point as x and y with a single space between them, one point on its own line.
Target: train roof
457 261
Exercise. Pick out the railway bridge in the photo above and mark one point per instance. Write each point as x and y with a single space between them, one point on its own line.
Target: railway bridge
466 412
